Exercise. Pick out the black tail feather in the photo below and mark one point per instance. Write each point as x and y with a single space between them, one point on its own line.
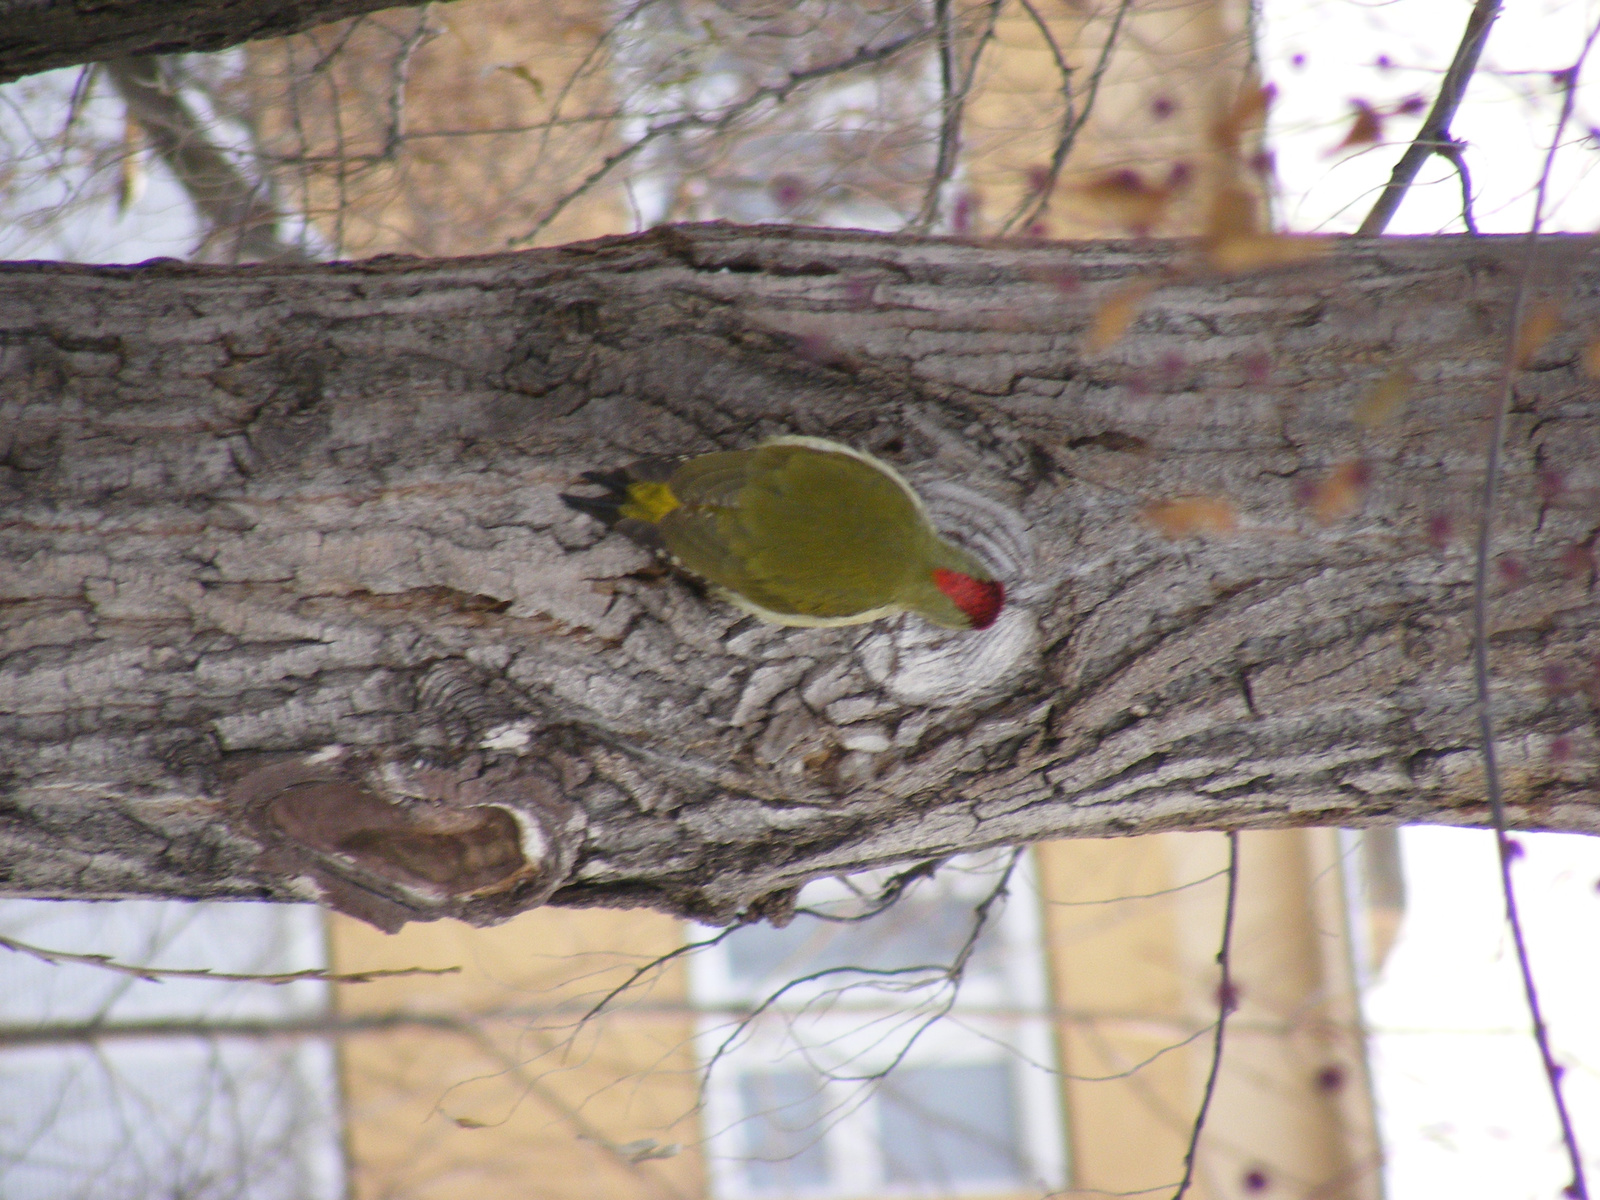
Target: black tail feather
607 509
613 481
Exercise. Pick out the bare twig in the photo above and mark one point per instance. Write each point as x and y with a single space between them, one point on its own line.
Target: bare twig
886 897
953 104
339 1025
333 1025
577 72
949 122
630 1157
1225 1005
1434 136
334 51
105 962
1063 68
320 1025
778 92
920 976
400 74
297 123
654 964
1179 887
341 164
1453 152
1130 1072
81 87
1072 124
1568 79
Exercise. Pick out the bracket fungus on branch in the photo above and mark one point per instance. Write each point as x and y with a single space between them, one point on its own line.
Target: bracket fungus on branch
389 843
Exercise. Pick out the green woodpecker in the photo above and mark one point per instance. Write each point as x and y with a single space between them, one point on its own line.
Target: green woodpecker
800 531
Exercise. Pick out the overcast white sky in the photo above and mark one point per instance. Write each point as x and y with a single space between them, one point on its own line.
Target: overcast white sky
1322 54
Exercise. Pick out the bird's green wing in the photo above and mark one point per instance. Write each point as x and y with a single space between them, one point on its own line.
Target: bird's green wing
801 533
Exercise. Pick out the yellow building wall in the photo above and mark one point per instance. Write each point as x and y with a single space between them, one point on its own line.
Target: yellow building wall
487 1084
1132 937
1173 79
493 133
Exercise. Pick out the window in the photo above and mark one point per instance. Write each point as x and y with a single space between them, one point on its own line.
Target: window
844 1062
111 1086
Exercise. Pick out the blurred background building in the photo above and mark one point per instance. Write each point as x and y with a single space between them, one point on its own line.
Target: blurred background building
1068 1058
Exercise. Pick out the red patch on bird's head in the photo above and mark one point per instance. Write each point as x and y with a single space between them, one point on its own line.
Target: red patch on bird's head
980 599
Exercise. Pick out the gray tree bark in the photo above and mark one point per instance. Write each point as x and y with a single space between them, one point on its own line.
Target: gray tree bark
40 35
290 606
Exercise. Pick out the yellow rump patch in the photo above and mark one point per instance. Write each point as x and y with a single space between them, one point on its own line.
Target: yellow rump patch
649 502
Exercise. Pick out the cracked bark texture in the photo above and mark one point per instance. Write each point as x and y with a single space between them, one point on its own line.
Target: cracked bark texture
290 606
40 35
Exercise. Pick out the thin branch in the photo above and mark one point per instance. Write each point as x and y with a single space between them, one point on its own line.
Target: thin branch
949 122
953 105
105 962
82 86
1072 124
1434 136
1453 152
1578 1189
226 200
923 975
1063 68
340 42
779 92
631 1157
297 123
1225 1005
577 72
887 896
341 164
1130 1072
654 964
1179 887
340 1025
400 75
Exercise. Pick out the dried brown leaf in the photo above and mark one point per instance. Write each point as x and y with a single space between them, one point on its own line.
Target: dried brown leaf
1112 319
527 77
1127 199
1591 359
1192 516
1341 492
1254 252
1386 399
1249 110
1234 213
1535 331
1365 129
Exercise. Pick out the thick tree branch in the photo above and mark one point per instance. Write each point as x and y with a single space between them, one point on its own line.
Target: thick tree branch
40 35
290 607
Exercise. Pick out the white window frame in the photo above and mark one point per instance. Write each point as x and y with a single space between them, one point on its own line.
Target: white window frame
996 1018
